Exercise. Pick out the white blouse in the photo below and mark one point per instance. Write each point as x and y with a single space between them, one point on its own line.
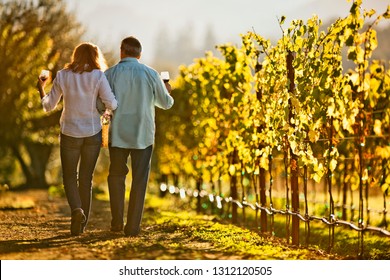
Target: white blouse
80 117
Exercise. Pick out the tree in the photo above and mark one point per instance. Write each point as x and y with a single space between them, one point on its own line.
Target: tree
34 35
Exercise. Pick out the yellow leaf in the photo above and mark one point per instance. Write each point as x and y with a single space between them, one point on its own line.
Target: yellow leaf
331 109
314 136
333 164
264 162
232 169
316 178
378 127
365 175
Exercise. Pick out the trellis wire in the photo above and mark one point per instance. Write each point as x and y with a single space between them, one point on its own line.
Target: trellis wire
271 211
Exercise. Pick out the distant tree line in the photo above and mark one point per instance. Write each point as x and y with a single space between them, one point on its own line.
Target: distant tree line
181 48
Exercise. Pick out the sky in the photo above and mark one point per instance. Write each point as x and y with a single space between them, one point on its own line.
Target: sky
108 22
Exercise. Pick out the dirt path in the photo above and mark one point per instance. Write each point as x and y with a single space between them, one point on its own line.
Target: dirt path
42 232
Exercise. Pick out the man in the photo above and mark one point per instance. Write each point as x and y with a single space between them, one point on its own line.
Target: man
138 89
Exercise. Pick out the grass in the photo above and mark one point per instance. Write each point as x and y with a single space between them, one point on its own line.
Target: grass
317 237
345 240
171 230
172 233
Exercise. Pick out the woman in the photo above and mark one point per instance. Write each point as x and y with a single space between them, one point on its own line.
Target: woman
80 83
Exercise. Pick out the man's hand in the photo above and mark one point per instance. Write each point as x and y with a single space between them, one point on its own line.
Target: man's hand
168 86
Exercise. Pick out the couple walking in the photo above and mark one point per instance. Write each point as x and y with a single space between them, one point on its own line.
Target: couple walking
131 90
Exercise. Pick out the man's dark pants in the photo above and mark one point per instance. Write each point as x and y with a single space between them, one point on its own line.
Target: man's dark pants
140 167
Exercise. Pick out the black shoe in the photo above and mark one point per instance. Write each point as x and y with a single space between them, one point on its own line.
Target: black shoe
78 218
129 232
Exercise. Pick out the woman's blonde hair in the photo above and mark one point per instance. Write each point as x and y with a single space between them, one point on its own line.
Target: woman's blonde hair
85 58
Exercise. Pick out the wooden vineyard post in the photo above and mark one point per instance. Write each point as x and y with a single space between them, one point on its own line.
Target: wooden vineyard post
233 190
199 183
293 159
263 197
361 143
263 201
330 191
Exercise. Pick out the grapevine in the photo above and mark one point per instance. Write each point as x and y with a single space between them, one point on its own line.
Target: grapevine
241 110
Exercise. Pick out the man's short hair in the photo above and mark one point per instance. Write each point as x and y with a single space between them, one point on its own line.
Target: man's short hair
131 46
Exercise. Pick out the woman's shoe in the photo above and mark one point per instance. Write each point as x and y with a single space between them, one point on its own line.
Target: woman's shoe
78 218
83 225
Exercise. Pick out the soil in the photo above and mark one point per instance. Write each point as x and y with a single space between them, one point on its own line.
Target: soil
35 226
39 228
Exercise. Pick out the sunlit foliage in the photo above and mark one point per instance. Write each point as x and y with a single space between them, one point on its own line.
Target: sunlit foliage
34 35
240 109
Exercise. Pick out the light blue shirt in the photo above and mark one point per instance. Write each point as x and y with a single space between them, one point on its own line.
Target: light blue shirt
138 89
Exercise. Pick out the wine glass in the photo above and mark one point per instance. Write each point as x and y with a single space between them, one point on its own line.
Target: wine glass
44 75
165 76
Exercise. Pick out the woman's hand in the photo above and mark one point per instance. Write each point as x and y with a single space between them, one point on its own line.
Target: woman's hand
41 86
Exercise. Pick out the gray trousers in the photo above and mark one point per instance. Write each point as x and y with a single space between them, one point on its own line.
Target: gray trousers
140 170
